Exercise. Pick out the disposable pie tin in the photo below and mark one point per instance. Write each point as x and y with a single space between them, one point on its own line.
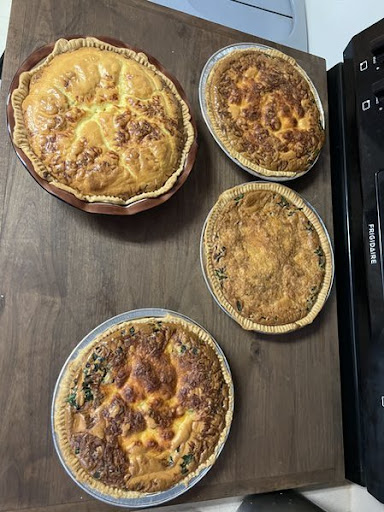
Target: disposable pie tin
148 499
203 260
223 52
140 205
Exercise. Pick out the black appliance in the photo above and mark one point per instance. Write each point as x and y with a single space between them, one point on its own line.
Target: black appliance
356 105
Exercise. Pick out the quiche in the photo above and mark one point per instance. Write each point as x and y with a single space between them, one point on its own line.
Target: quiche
102 122
146 405
265 112
267 257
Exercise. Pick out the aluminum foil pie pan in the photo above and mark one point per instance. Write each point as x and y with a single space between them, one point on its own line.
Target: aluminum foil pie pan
223 52
203 260
148 499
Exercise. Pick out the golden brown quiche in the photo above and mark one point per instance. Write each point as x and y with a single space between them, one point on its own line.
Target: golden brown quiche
102 122
267 257
263 109
147 405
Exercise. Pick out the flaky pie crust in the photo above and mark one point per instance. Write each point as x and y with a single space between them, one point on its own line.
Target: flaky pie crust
110 153
224 132
237 194
61 419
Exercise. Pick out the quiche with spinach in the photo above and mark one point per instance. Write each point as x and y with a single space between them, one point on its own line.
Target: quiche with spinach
267 257
147 405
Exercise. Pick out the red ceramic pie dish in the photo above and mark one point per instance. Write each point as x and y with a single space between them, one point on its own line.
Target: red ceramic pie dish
98 207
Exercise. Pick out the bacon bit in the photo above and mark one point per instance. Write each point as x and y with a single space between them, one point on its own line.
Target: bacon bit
121 376
129 394
50 144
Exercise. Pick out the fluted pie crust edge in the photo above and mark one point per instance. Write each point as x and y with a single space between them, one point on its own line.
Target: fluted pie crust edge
60 416
208 247
20 135
220 134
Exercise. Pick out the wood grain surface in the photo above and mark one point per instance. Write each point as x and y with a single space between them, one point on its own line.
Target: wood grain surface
63 271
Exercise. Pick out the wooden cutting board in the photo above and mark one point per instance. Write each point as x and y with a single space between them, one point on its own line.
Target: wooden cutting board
64 271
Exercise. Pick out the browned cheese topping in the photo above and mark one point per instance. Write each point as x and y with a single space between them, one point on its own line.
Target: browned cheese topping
147 406
103 124
266 111
267 258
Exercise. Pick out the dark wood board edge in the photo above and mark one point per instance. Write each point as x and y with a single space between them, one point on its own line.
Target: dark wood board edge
226 491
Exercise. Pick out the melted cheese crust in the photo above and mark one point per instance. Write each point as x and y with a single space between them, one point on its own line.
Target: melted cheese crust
103 124
147 406
265 111
267 258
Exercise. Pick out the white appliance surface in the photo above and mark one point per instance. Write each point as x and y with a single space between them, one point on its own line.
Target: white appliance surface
282 21
332 23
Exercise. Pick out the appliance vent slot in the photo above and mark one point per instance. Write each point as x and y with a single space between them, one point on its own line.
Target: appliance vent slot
248 4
